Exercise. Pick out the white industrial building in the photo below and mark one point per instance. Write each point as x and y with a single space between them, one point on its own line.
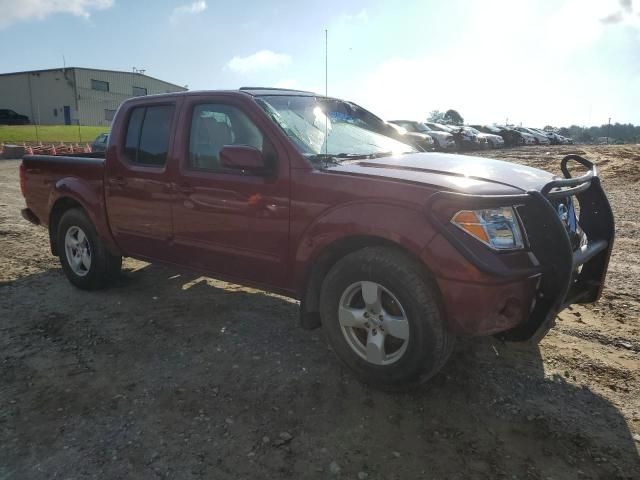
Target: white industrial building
71 96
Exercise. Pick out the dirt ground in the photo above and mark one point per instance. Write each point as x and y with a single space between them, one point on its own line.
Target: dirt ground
171 375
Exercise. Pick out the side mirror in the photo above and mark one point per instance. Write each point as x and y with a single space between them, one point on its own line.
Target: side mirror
241 157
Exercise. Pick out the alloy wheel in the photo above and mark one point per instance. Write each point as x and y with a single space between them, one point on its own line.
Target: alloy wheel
78 250
373 323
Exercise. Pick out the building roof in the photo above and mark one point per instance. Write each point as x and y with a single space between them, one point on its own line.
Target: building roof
86 68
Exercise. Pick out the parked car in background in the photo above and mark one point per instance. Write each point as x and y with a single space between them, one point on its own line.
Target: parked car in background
465 140
527 137
443 141
553 140
511 137
356 115
557 139
100 143
388 249
541 138
554 137
493 140
10 117
422 141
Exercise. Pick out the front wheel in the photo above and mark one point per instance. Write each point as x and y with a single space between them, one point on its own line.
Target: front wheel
86 262
381 315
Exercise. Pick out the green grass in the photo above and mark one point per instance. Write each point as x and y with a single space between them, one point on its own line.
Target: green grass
49 133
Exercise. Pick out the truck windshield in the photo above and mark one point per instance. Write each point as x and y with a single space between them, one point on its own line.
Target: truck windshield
325 127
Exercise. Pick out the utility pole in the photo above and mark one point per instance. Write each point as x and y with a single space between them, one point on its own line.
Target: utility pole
608 130
326 90
326 63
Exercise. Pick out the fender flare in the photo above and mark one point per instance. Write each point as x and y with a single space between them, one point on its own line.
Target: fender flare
91 200
336 233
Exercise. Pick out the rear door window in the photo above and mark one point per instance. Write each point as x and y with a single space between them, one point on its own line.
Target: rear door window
147 139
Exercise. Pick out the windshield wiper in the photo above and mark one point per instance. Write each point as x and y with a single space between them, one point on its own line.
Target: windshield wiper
325 158
338 158
381 154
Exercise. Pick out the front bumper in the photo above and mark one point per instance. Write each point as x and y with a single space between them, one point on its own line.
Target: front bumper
555 276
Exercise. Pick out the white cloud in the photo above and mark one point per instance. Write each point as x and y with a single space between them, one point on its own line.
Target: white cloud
513 61
361 16
264 59
411 88
579 23
193 8
12 11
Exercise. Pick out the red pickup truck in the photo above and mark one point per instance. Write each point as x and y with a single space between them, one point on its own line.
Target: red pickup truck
394 252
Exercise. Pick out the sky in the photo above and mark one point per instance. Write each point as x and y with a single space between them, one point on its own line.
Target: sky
535 62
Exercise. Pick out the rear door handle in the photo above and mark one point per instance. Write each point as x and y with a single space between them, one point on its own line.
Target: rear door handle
117 181
185 188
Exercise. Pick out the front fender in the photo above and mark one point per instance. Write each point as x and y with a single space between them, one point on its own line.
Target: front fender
89 194
401 224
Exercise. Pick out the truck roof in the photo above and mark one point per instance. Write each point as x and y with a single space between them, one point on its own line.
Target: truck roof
253 91
258 91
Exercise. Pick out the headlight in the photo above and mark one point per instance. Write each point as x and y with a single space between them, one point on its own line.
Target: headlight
496 227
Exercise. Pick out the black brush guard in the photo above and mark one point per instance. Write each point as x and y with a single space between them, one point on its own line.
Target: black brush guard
567 276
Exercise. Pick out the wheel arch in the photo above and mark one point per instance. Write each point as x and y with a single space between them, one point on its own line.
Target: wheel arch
327 258
60 206
74 193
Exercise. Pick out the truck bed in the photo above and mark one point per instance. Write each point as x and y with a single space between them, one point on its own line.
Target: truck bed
44 173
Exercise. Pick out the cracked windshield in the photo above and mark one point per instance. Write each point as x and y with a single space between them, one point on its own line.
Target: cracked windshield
326 128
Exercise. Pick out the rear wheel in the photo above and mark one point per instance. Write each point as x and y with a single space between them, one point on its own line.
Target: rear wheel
381 316
85 260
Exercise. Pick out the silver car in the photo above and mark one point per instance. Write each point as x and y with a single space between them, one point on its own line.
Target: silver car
443 141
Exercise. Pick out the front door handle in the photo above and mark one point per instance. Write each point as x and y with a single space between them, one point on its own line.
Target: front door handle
117 181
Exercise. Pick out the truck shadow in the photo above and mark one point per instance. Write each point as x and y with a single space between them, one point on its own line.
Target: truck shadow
175 375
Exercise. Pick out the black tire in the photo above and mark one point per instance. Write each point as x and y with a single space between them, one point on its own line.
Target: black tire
429 344
104 267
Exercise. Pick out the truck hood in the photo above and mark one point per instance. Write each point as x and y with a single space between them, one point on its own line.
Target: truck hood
461 173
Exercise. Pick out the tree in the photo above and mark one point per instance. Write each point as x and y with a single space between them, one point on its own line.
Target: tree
452 117
617 132
585 137
435 116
